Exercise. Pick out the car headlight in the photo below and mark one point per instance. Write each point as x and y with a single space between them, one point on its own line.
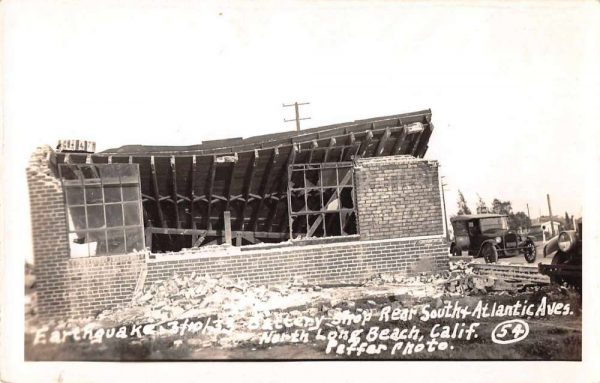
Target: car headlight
565 242
498 239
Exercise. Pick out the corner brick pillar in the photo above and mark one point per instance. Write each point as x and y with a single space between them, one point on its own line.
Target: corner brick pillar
398 197
49 233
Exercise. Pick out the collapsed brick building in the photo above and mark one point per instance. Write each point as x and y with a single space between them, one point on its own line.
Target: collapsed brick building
328 204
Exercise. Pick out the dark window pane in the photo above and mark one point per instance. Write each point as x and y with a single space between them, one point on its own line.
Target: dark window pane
74 195
112 193
328 177
135 239
95 216
76 218
90 172
114 215
93 194
116 241
130 192
70 173
132 214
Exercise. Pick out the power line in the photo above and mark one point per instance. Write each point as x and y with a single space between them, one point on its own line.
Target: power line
297 110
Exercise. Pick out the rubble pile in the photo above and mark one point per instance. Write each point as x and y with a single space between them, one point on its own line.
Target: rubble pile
197 295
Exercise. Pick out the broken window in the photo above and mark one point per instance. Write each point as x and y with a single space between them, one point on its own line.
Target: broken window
104 210
321 200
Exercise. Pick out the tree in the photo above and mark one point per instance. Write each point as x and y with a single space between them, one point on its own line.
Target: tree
463 208
518 220
501 207
481 206
568 222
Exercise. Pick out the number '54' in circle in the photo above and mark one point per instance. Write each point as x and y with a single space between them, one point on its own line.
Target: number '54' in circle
510 331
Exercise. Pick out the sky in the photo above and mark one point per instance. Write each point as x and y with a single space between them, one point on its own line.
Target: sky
509 85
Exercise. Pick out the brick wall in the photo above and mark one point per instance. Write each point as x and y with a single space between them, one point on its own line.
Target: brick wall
101 282
398 197
49 235
69 287
349 261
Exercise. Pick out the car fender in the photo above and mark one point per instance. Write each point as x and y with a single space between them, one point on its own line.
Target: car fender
551 246
492 241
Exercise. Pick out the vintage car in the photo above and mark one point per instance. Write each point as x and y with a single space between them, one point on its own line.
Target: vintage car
566 251
488 236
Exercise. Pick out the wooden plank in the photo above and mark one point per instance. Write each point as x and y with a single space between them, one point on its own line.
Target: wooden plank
423 145
227 190
214 233
193 192
365 143
227 225
246 188
262 188
157 197
209 191
282 187
381 145
332 143
174 196
399 141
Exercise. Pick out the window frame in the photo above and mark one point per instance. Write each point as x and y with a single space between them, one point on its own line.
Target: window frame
99 180
312 216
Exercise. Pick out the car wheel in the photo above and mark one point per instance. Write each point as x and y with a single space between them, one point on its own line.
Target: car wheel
456 251
489 252
530 251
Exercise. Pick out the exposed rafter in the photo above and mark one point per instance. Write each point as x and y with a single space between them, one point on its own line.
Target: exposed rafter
381 145
362 150
332 143
246 188
209 192
262 187
157 197
399 141
174 195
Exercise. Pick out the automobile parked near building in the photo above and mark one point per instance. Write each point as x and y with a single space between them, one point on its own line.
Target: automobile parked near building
566 251
488 236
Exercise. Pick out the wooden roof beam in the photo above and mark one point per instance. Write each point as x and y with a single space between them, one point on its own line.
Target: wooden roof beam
332 142
362 150
193 192
209 191
282 187
399 141
314 144
246 187
174 195
262 188
381 145
157 197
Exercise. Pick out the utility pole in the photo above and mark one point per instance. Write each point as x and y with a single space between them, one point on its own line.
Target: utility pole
297 110
528 216
550 211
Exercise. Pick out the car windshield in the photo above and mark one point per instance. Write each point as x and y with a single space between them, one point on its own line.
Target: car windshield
460 227
494 223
